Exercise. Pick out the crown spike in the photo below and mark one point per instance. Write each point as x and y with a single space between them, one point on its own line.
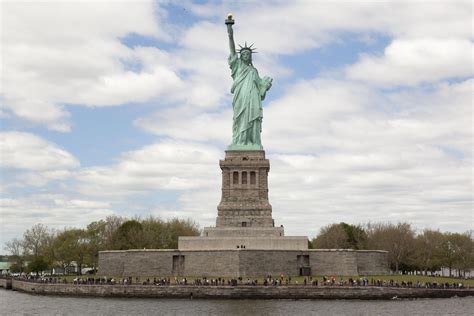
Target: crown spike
245 47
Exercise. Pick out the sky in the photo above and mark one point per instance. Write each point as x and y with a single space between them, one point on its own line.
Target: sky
124 108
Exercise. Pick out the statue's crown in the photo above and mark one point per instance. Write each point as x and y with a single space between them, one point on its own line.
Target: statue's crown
249 48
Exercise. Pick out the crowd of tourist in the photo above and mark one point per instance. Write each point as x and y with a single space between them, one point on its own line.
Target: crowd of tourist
267 281
388 283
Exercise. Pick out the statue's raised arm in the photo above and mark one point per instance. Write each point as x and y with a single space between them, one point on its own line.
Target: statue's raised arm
229 22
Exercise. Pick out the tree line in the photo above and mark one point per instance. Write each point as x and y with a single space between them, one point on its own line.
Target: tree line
42 248
428 251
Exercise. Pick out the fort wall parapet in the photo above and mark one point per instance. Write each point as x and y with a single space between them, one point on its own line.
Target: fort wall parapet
241 262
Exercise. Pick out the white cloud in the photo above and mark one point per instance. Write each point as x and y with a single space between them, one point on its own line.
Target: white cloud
130 86
52 210
26 151
168 165
190 124
29 160
320 115
199 205
303 119
414 61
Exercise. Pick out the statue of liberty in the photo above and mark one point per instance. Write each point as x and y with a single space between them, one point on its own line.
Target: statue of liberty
249 91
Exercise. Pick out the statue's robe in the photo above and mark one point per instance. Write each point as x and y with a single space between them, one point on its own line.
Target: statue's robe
249 90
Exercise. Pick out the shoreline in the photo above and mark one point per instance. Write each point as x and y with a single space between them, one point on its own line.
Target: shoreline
234 292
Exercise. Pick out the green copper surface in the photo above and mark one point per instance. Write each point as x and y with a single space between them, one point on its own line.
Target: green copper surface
249 91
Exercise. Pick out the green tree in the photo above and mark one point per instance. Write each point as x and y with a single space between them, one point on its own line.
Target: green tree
397 239
100 236
154 231
340 236
428 250
129 236
71 246
38 264
48 249
356 235
176 228
35 239
16 248
465 252
16 268
457 251
331 237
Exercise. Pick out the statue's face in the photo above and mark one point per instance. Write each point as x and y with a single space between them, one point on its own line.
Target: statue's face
246 56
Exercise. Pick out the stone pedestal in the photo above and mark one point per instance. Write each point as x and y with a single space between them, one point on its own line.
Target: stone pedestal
244 201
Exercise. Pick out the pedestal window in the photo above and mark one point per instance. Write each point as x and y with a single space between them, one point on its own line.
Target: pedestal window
253 177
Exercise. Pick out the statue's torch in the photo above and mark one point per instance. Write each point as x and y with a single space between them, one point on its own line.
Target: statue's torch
229 20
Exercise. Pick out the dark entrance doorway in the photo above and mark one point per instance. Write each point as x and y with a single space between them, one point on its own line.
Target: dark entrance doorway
305 271
178 265
303 265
